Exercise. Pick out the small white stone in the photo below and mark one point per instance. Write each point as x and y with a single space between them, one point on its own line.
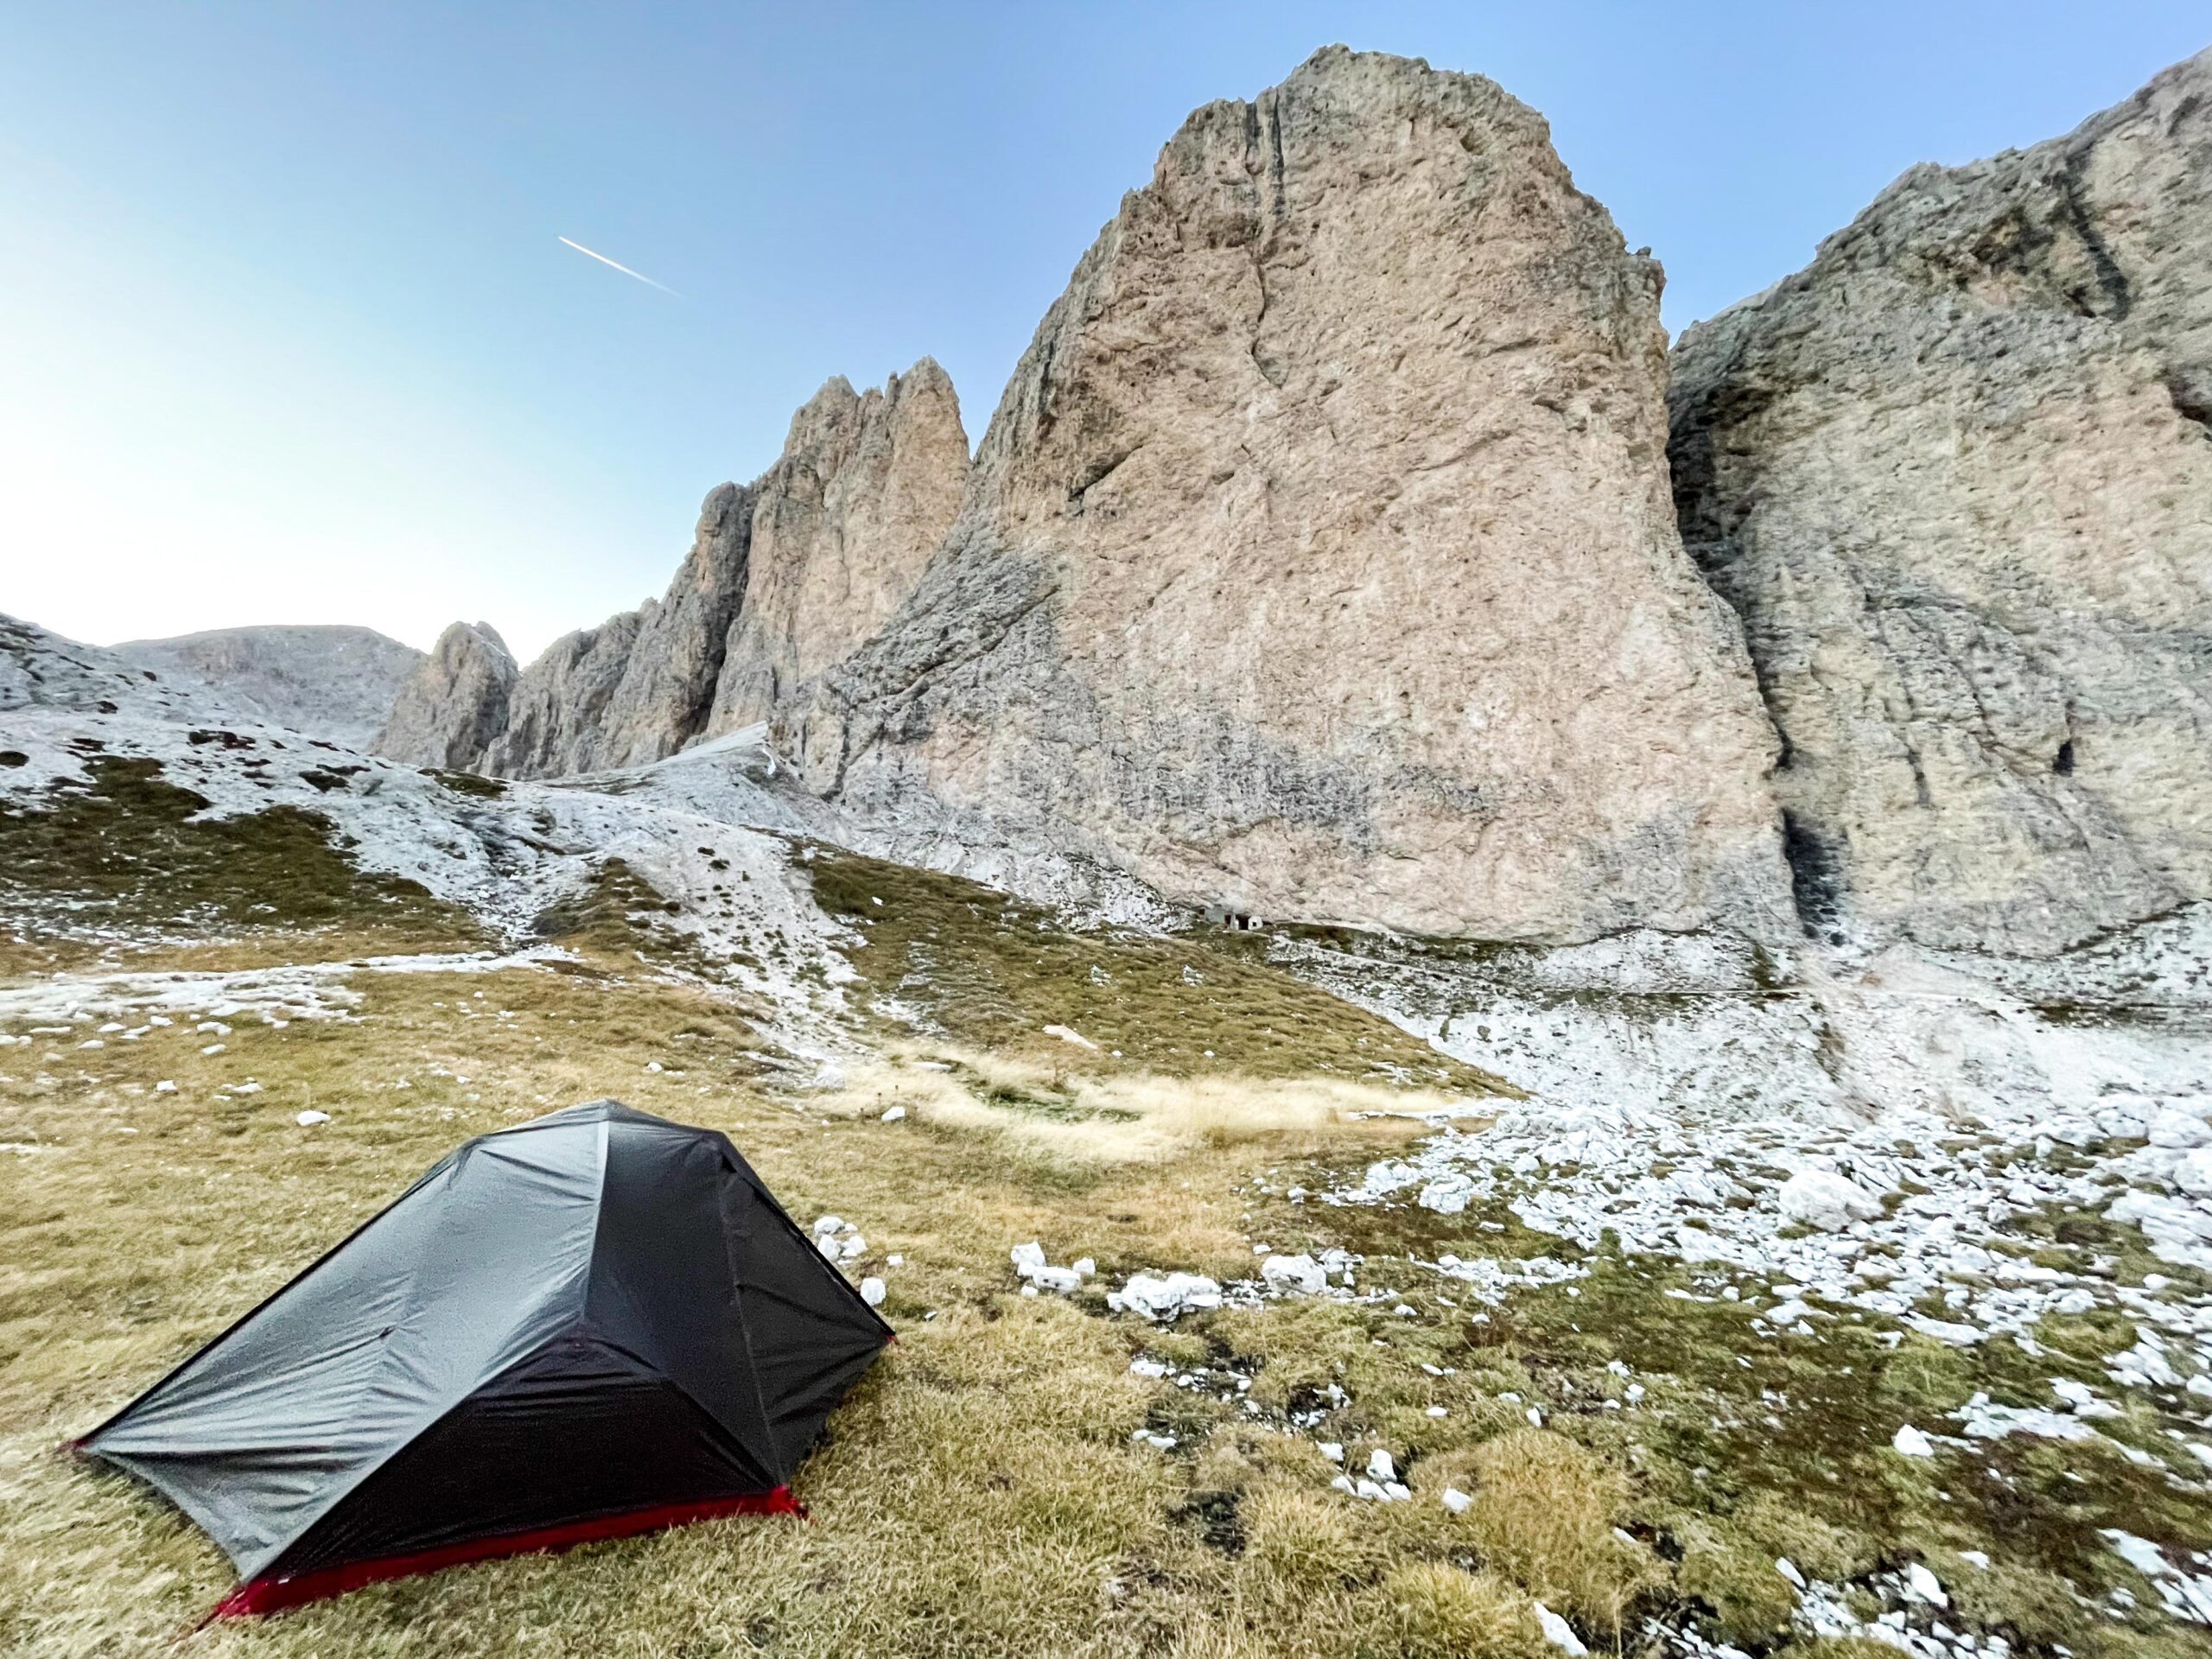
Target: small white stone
1379 1465
1447 1194
1026 1258
895 1260
828 1225
1457 1501
1436 1411
1333 1450
1923 1585
1788 1568
1976 1558
1912 1443
1083 1266
165 1087
872 1292
1558 1631
1822 1198
308 1120
2175 1128
1299 1275
894 1115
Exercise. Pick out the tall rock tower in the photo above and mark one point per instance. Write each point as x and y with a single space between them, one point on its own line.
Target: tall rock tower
1319 558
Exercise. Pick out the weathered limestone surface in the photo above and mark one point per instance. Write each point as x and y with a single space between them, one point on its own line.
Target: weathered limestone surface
865 491
641 684
784 576
1319 557
333 682
450 710
1956 477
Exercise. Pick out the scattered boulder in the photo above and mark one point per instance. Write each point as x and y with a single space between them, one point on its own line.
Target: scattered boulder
2193 1174
1294 1274
1822 1198
2172 1126
1162 1297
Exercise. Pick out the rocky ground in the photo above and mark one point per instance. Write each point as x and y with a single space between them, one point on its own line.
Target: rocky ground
1275 1291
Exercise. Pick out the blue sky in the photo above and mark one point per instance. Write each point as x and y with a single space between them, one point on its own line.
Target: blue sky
286 333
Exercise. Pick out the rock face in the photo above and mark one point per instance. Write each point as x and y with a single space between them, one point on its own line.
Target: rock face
1956 477
451 707
640 685
337 683
865 491
1319 559
784 576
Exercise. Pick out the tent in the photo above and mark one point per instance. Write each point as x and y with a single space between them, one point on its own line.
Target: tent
588 1325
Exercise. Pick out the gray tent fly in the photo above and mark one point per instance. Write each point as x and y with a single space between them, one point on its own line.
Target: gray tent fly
589 1325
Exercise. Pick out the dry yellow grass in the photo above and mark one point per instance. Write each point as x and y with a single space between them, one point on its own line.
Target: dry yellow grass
1544 1512
979 1493
1125 1117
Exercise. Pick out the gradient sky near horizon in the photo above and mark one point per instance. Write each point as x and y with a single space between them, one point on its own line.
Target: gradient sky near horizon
288 334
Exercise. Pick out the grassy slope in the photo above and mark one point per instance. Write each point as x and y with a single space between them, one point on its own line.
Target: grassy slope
121 854
979 1493
992 972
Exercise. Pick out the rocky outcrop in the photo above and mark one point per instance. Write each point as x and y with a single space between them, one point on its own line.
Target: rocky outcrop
865 491
452 705
784 576
337 683
640 685
1319 560
1955 476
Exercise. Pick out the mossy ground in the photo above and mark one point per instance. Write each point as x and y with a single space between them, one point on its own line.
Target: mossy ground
119 858
992 972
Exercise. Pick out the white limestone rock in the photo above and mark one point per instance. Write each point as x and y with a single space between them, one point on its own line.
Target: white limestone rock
1319 561
1294 1274
1822 1198
450 709
1955 476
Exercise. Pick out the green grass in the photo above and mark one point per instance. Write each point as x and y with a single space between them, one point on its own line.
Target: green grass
992 972
122 853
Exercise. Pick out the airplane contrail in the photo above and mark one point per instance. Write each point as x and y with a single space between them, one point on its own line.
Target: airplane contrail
624 270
